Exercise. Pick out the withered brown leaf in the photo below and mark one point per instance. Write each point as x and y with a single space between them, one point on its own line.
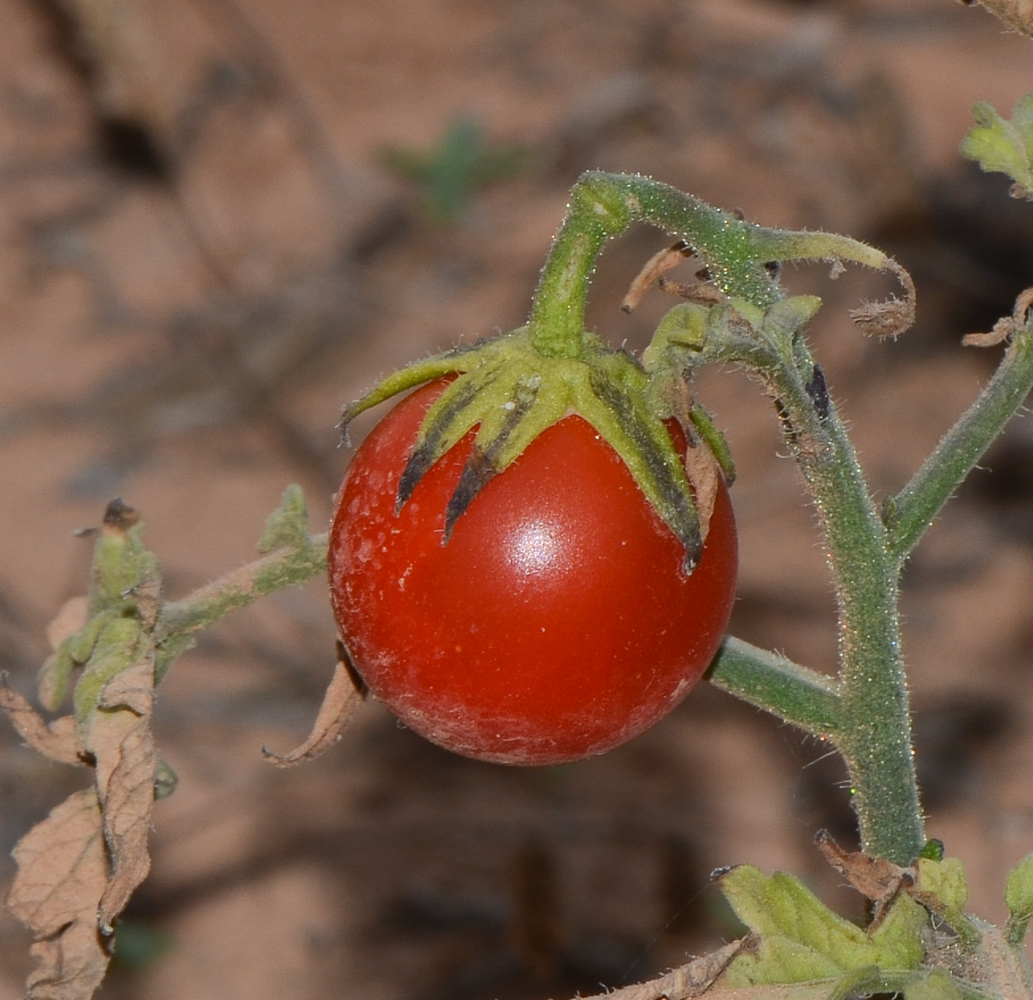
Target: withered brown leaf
695 979
55 740
340 703
62 874
654 268
875 878
122 744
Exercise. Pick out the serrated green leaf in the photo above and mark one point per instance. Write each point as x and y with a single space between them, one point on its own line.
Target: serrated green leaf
1002 146
943 888
898 936
288 524
117 649
946 880
1018 894
801 939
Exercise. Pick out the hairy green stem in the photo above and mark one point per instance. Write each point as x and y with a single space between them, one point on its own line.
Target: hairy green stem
284 566
794 693
557 321
734 251
875 722
912 510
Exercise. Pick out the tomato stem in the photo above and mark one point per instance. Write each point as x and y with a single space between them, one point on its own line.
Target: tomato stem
874 733
289 557
768 680
734 252
912 510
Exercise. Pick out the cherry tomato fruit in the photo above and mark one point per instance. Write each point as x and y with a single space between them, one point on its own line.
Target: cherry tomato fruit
554 625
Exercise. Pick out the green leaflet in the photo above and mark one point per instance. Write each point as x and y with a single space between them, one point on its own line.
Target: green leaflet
1003 146
945 882
801 940
1018 894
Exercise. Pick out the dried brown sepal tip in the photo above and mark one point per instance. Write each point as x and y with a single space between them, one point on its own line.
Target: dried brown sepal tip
119 516
891 317
1002 331
418 465
358 681
653 270
1006 327
876 879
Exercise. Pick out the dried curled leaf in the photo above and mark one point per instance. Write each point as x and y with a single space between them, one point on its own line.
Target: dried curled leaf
342 699
55 740
62 875
653 270
1017 14
78 868
891 317
875 878
1006 327
688 981
122 744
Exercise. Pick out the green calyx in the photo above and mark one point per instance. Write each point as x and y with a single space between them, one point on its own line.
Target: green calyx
514 387
511 393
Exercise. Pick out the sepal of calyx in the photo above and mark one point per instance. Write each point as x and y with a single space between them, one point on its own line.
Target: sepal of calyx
511 393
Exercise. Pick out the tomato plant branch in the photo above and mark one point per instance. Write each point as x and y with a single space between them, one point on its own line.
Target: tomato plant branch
290 556
875 724
912 510
870 706
795 693
602 205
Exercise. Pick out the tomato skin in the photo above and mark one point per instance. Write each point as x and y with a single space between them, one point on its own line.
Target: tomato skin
555 624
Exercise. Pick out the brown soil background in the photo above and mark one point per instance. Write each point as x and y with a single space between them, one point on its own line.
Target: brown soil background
187 342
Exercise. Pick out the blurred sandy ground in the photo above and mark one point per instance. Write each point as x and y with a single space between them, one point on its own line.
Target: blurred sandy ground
187 303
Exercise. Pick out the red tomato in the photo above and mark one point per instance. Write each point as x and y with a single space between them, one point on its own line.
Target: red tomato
554 625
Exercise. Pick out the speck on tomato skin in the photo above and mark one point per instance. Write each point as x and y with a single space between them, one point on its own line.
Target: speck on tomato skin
554 625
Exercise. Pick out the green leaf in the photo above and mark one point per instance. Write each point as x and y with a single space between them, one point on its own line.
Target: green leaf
120 645
121 563
946 880
1018 894
451 173
1002 146
56 672
288 524
943 888
801 939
